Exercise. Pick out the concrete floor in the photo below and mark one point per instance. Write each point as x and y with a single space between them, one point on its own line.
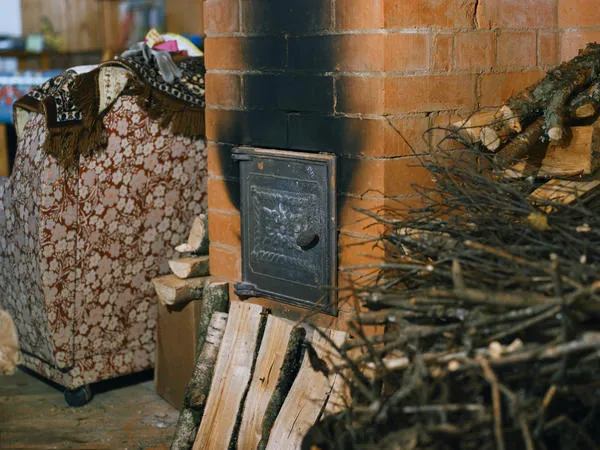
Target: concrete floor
125 413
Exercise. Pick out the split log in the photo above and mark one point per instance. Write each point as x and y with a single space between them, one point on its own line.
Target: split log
552 93
307 398
586 103
490 128
190 267
578 157
232 374
562 192
9 344
172 290
198 238
276 369
215 298
199 385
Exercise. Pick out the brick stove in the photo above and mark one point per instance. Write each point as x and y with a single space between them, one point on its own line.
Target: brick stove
362 80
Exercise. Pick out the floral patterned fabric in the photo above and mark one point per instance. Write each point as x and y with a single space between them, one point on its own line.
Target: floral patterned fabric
78 249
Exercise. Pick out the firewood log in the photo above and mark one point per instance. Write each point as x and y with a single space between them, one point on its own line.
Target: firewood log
189 267
551 95
172 290
9 344
197 389
198 238
586 103
523 143
578 157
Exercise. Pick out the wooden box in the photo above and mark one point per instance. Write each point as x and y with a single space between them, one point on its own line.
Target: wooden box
177 331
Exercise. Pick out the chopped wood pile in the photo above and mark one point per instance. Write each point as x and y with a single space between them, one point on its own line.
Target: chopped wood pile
490 291
189 272
253 385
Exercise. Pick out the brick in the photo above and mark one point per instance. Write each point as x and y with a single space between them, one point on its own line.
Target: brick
475 50
443 52
340 135
291 16
225 228
359 14
429 93
223 90
538 14
578 13
289 92
402 173
548 52
361 95
359 53
454 14
362 176
352 221
225 262
573 41
221 16
239 53
223 195
517 49
496 88
406 135
224 53
220 163
261 128
406 52
361 137
398 208
356 250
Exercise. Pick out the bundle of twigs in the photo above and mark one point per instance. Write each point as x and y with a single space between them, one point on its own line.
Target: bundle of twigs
490 300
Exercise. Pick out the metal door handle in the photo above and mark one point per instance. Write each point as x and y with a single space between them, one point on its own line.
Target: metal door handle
307 240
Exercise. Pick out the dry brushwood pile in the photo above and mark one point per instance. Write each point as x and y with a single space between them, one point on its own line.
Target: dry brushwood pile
490 296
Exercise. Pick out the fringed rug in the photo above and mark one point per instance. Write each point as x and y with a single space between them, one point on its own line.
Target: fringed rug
70 103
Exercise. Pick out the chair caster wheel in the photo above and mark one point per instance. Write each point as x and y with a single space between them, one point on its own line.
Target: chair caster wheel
78 397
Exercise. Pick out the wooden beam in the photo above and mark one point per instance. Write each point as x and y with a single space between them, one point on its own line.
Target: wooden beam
189 267
172 290
231 377
307 398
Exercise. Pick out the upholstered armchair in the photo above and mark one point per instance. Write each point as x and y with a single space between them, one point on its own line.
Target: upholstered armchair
79 246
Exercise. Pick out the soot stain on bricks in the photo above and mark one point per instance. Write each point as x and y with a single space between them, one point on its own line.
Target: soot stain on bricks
288 96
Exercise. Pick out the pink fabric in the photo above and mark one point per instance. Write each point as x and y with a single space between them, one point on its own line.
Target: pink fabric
78 250
170 46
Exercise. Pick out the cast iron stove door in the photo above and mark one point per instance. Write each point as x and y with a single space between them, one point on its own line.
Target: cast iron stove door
288 227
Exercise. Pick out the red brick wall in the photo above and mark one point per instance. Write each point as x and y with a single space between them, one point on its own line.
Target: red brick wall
340 75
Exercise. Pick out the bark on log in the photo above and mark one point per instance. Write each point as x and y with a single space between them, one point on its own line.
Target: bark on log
216 299
551 95
523 143
198 238
172 290
199 386
190 267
